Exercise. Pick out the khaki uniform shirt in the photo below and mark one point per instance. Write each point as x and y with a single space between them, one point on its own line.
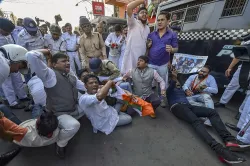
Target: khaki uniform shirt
109 70
91 47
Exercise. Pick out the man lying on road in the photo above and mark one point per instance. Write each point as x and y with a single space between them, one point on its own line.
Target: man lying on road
181 108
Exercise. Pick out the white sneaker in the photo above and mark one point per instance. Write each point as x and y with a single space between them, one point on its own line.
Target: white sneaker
208 123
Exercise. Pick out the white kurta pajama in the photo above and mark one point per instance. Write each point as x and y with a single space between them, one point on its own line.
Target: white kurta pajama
136 43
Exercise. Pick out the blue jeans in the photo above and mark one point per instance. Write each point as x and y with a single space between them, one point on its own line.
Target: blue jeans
37 110
9 114
204 100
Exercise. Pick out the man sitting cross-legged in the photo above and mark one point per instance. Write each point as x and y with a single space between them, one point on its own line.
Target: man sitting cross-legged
102 116
199 88
181 108
142 78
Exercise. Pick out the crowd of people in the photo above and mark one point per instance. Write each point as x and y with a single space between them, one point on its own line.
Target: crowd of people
69 76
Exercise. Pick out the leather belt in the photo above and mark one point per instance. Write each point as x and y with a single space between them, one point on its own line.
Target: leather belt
176 105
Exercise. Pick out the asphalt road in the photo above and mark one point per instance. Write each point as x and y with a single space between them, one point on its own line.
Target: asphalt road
165 141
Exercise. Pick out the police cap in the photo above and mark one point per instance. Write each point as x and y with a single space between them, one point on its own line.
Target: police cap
29 24
6 25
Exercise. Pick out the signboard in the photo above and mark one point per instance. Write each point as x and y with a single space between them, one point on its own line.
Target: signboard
98 8
185 63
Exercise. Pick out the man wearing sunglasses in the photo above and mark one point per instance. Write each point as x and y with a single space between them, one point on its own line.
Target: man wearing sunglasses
199 88
54 41
91 43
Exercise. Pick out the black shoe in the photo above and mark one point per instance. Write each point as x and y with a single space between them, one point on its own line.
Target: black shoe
233 127
7 157
218 104
60 151
18 106
28 108
5 102
227 156
237 117
25 99
237 146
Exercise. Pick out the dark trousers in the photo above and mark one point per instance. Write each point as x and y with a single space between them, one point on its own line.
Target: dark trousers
9 114
191 115
154 100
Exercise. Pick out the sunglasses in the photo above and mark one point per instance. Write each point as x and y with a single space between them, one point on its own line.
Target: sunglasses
85 26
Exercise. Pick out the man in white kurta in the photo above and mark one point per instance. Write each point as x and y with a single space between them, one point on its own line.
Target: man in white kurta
137 36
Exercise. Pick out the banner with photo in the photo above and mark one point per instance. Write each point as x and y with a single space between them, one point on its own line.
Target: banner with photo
186 63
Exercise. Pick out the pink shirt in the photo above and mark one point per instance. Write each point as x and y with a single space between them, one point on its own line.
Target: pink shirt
136 43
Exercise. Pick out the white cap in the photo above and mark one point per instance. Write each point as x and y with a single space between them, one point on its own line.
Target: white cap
15 53
4 69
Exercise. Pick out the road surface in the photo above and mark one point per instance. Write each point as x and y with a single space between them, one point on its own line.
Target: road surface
165 141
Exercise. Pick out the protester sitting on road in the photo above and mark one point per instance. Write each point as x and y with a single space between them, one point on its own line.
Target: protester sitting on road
142 78
38 132
107 70
61 87
199 87
102 116
181 108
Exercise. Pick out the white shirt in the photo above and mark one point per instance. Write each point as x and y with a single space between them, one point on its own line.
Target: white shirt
55 45
46 74
4 69
71 40
15 32
30 42
112 38
136 43
6 40
32 138
102 116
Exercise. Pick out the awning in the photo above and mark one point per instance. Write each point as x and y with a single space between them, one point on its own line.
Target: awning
118 2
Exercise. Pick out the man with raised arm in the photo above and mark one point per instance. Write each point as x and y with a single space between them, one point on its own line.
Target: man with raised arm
137 36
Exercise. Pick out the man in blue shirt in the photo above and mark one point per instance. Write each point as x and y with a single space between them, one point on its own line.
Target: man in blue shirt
163 43
181 108
199 88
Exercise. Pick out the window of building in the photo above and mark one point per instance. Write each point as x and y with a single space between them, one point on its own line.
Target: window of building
192 14
179 14
233 7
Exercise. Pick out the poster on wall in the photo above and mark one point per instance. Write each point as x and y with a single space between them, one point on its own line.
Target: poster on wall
98 8
186 63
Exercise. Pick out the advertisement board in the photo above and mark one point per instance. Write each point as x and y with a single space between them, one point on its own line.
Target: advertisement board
98 8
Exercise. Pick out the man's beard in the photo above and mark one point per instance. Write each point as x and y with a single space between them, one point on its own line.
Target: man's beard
201 76
142 21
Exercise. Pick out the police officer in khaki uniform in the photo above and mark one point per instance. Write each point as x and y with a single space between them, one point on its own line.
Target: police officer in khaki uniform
54 41
106 68
91 43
